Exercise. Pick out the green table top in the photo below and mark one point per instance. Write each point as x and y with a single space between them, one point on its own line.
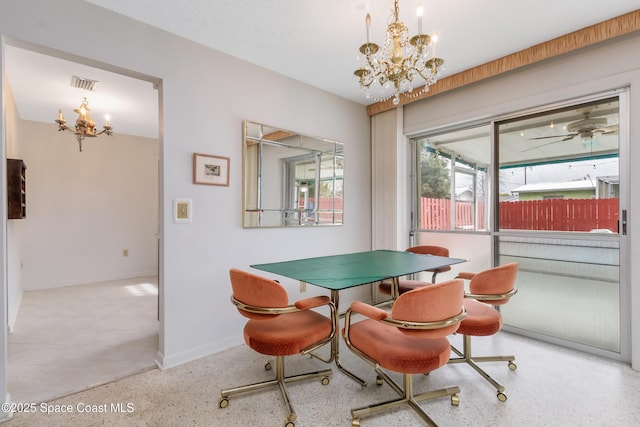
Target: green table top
343 271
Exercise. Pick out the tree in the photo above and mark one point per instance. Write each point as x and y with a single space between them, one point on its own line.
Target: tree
435 179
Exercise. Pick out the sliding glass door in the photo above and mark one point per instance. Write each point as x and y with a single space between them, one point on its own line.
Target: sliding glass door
548 189
561 216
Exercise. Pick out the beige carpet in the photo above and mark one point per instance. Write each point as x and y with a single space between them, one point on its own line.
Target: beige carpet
69 339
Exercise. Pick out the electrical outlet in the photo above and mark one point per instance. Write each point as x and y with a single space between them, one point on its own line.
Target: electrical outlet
303 286
125 252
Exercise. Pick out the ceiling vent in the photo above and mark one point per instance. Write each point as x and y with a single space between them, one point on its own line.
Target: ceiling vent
83 83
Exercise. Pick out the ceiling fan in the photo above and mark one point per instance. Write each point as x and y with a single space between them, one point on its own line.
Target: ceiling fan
585 129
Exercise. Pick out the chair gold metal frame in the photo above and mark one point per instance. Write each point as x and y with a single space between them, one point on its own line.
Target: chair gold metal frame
446 326
257 313
465 355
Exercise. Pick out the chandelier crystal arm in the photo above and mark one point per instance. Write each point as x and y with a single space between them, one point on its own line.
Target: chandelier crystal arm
390 70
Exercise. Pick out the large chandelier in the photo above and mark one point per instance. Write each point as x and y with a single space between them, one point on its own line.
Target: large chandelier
85 126
390 71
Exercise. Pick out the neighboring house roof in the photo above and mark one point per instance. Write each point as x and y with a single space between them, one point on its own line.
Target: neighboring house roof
610 179
555 186
462 190
508 198
464 194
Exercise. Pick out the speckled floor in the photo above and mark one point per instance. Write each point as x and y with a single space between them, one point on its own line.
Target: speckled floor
551 387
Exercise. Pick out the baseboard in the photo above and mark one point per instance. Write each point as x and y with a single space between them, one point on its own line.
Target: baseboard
171 361
13 308
86 281
6 416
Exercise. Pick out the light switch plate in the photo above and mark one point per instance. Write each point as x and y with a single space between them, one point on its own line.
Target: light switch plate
182 211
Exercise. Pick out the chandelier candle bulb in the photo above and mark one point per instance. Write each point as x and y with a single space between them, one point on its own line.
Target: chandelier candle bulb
434 40
367 21
419 13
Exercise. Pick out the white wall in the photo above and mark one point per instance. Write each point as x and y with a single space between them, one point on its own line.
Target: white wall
475 248
14 272
85 208
5 129
603 67
205 95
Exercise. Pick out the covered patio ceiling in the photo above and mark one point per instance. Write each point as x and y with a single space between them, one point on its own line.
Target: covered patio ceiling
539 138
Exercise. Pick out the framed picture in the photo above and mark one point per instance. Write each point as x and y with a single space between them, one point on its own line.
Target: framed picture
210 170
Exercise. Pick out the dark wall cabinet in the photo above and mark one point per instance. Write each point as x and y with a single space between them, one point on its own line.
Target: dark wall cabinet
16 189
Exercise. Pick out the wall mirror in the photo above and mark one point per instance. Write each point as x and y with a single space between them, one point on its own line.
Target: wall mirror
290 179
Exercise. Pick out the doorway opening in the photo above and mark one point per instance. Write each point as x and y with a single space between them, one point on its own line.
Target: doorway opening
91 234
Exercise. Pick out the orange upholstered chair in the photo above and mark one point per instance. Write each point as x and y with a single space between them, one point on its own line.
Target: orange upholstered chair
488 288
412 339
276 328
405 285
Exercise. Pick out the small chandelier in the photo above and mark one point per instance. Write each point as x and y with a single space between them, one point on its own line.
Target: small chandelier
85 126
390 71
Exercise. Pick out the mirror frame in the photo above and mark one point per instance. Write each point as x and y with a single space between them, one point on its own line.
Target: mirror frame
295 156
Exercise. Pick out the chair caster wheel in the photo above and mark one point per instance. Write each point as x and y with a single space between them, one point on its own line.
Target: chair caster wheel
355 422
224 402
324 380
378 380
289 422
502 397
455 400
513 366
267 366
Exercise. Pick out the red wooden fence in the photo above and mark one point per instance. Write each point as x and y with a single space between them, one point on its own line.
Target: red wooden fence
436 214
560 215
334 206
551 214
